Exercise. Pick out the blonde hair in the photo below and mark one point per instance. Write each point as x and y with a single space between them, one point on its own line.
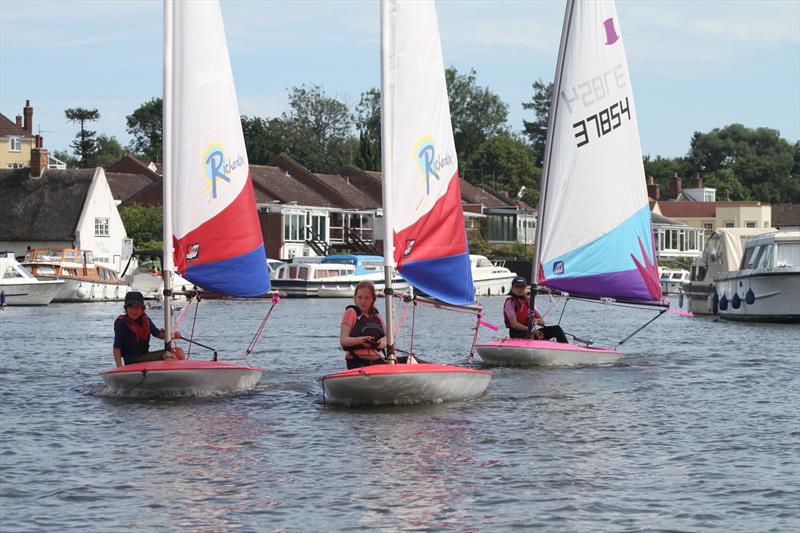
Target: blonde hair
366 284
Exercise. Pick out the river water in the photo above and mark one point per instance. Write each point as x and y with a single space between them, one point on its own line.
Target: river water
697 428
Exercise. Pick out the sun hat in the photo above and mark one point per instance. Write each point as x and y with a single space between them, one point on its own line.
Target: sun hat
134 297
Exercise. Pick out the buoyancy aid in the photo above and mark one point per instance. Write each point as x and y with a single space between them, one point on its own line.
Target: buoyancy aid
521 308
139 343
365 325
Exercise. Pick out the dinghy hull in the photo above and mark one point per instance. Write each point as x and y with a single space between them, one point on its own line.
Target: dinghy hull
531 352
404 384
190 377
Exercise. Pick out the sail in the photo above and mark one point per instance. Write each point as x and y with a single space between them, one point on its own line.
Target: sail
422 195
216 232
594 236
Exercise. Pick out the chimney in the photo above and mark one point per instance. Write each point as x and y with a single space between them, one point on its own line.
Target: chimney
27 112
38 161
675 185
653 189
38 141
19 121
650 180
698 181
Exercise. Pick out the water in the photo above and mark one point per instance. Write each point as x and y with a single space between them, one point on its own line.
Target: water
698 428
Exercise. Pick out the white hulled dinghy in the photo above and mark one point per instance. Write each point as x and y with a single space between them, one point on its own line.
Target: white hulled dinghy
421 210
211 226
594 237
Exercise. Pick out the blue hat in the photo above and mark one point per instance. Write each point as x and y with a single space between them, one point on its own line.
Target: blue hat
519 281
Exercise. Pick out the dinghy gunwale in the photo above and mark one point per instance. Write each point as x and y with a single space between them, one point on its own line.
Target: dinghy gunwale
550 345
179 365
397 369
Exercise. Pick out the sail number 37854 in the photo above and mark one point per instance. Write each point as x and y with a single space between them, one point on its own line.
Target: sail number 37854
605 122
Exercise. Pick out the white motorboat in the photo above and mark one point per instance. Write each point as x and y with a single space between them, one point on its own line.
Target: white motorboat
335 276
766 287
673 279
489 279
19 287
594 237
84 279
424 216
722 253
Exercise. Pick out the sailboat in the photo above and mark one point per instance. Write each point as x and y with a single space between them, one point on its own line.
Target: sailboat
423 219
594 238
210 218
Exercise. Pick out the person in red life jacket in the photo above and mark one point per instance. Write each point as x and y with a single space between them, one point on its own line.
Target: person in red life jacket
132 333
516 313
362 334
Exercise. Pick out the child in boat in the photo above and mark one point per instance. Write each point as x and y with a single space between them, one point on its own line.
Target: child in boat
516 313
362 334
132 335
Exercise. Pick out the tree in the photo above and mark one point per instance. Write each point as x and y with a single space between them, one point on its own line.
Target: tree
146 126
108 151
536 130
143 224
264 139
67 158
477 114
368 122
84 143
728 186
663 169
506 162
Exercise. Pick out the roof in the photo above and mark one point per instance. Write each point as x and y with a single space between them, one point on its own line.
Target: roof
125 185
275 184
356 195
132 164
659 219
688 209
42 209
9 128
784 215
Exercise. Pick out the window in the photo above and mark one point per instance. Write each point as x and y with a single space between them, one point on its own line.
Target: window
294 226
15 165
729 224
708 225
14 144
100 227
788 254
750 225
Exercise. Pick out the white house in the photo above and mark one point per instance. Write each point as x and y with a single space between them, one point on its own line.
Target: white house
42 207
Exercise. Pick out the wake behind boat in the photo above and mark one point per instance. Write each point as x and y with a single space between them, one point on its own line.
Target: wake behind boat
594 239
422 215
210 217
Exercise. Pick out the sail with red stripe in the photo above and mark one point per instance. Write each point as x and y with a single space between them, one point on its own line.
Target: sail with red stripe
422 195
210 206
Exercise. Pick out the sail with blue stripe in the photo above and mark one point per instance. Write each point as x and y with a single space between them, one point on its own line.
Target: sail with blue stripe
594 233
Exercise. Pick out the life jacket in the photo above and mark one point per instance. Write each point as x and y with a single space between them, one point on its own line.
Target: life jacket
521 308
365 325
139 343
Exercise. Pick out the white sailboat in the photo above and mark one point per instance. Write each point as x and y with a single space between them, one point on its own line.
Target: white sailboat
594 238
423 220
210 221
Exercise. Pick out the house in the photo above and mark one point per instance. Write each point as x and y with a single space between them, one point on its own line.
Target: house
55 208
133 181
17 141
676 240
506 220
785 215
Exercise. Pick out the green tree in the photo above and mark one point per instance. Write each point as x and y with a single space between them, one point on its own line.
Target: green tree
84 144
477 114
264 139
368 122
506 163
663 169
67 158
144 224
536 130
146 126
728 186
108 151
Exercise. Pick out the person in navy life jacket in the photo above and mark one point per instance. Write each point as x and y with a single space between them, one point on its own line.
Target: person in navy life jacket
362 334
516 313
132 333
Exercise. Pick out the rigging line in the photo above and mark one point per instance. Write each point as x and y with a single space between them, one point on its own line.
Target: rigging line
260 330
566 301
413 322
144 375
620 343
194 321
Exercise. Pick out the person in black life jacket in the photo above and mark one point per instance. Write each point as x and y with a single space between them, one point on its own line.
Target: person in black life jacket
132 333
362 334
517 316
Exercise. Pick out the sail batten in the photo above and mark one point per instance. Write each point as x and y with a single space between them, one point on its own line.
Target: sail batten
594 235
209 202
423 192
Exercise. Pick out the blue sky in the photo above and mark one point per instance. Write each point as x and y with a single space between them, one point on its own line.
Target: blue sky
695 65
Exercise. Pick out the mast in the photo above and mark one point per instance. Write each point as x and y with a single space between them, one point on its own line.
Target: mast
387 95
166 270
551 121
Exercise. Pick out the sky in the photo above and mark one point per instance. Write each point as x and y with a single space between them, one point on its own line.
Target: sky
695 65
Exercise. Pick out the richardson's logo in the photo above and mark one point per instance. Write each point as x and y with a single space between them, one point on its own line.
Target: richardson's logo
217 167
429 162
194 252
409 247
611 32
558 268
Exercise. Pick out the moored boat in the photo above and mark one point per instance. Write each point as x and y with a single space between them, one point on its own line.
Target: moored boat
488 278
84 279
673 280
19 287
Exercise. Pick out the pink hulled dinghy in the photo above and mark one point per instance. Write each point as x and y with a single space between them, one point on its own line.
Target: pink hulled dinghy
212 235
422 211
531 352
